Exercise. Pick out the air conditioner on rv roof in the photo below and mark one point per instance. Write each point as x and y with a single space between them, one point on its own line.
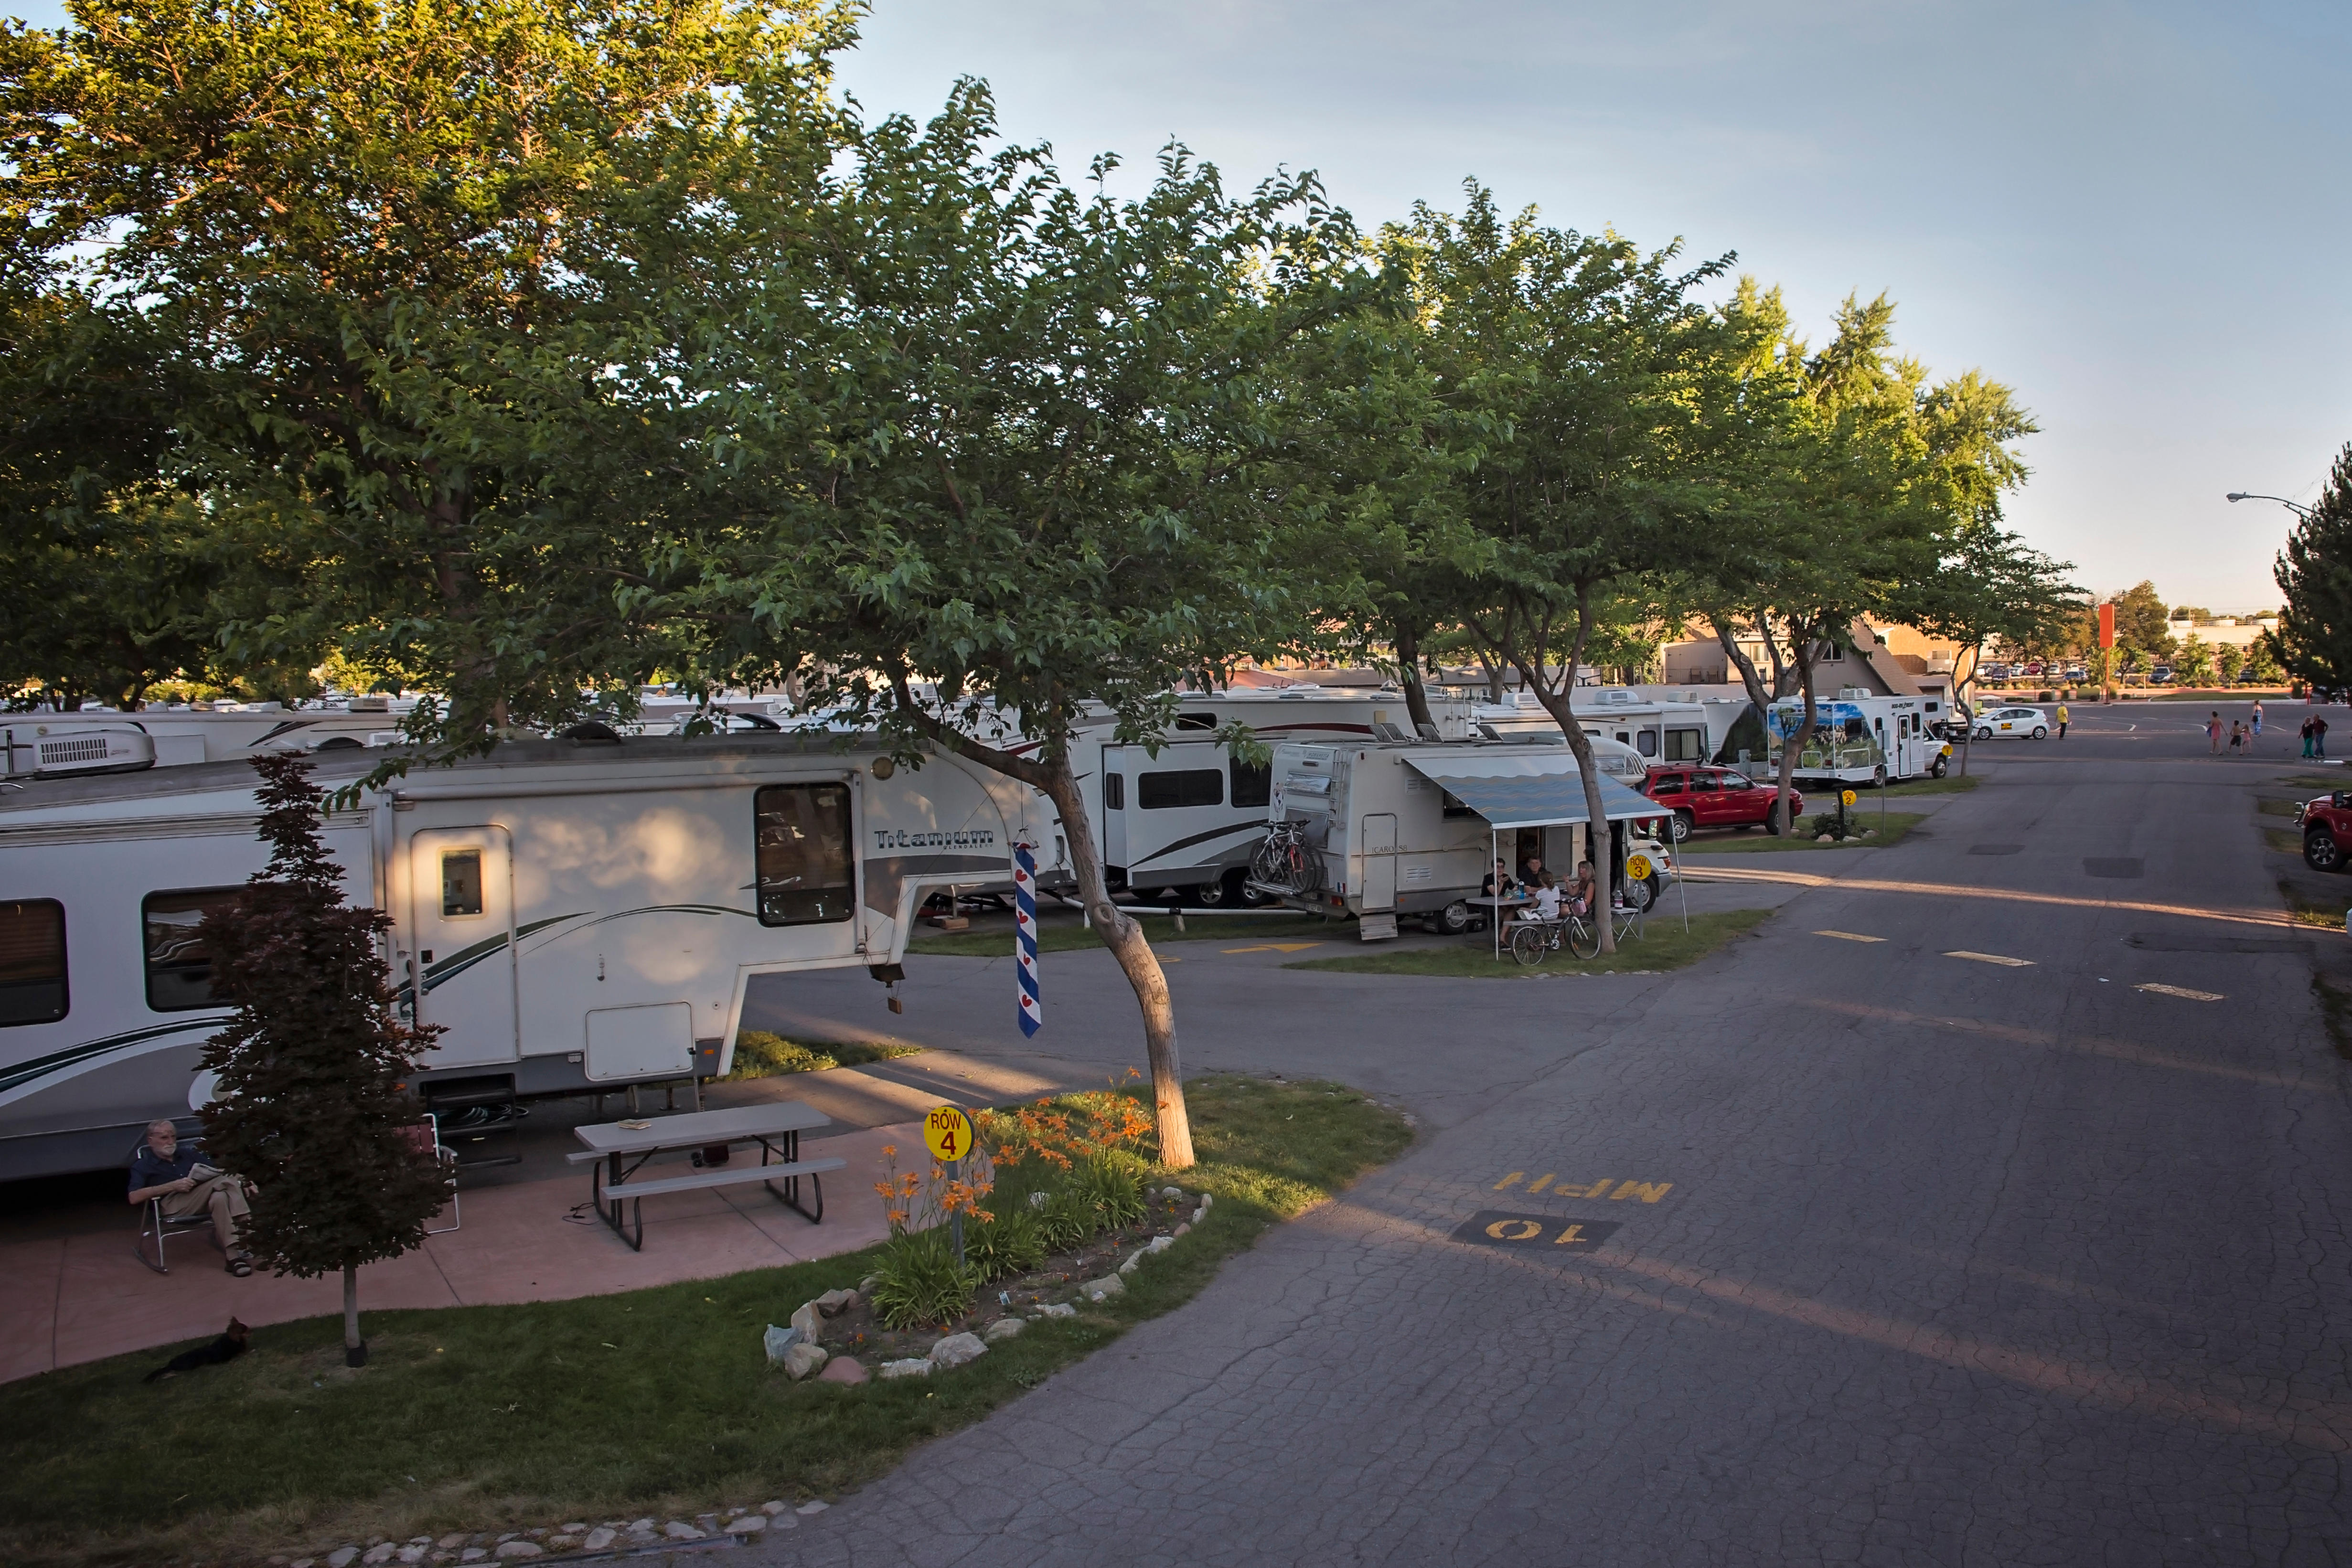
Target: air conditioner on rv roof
31 753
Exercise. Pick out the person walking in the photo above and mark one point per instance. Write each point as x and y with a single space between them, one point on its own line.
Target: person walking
2061 721
2257 732
2236 738
2306 738
2318 737
2213 735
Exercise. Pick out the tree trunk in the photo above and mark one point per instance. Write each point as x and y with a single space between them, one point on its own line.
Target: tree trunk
1052 779
354 1347
1560 705
1416 697
1128 943
1800 649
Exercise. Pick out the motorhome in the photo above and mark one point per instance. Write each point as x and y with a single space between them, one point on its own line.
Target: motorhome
1862 738
1653 730
579 917
1184 819
1409 829
226 732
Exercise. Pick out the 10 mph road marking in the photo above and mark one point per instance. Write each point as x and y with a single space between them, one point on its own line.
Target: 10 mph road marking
1992 958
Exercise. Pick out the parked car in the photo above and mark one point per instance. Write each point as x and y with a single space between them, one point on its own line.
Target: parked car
2327 824
2076 672
2014 722
1715 798
2159 675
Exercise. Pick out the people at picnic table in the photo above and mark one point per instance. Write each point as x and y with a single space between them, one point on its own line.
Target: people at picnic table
1499 883
178 1175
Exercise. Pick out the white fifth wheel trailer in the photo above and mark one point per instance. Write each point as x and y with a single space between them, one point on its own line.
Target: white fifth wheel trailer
1860 738
580 917
1403 829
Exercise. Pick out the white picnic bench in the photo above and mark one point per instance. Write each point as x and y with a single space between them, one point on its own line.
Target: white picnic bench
619 1152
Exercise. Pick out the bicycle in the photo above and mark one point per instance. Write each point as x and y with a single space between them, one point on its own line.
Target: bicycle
1286 862
1533 940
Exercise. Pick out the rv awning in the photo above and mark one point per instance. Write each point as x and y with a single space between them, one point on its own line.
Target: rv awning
1532 799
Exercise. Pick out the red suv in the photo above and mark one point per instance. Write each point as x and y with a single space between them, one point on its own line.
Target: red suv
2327 824
1715 798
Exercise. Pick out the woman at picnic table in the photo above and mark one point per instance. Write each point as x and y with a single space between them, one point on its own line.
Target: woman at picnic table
1499 883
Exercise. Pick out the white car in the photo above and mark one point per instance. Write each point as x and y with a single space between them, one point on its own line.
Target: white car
2013 722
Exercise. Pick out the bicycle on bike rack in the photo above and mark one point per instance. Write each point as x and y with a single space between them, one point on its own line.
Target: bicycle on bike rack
1287 862
1533 940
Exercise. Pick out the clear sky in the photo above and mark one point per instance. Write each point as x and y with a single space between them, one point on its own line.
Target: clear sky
2132 212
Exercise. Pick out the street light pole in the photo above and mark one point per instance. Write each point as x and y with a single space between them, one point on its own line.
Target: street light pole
2297 507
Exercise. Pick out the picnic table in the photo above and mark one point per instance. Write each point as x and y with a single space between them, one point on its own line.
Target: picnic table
619 1151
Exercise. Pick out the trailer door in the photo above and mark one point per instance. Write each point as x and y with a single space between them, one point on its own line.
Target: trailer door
461 935
1114 800
1378 837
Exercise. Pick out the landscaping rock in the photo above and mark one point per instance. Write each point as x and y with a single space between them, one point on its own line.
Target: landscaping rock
1057 1310
376 1554
804 1318
803 1359
1002 1329
1822 839
750 1524
473 1554
775 1508
1208 1201
413 1553
520 1549
912 1367
642 1527
833 1303
573 1529
842 1369
343 1557
1176 1192
451 1542
1103 1289
865 1286
678 1530
599 1538
1160 1244
813 1505
1184 1229
1134 1260
779 1340
958 1349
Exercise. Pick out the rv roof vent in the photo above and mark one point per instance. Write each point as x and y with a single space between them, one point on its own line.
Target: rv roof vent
588 732
1384 731
370 702
114 749
1428 732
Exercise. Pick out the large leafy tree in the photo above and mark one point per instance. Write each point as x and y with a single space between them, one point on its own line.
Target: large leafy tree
2314 640
992 451
1569 363
386 252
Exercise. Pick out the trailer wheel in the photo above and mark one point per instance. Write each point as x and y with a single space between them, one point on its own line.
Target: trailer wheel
1214 894
1453 920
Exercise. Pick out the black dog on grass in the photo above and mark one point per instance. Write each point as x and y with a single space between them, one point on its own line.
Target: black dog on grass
229 1348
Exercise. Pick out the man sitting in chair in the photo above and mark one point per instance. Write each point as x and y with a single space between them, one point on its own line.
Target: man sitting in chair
176 1173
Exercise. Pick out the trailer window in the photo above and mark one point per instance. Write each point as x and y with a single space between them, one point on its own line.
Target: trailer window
179 970
1114 792
32 961
1196 721
802 865
1685 746
1179 787
1646 742
1253 786
461 884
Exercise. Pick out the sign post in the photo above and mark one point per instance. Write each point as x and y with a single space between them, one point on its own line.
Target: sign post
947 1133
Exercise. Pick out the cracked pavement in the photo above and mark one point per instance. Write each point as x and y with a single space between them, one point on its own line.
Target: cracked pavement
1954 1262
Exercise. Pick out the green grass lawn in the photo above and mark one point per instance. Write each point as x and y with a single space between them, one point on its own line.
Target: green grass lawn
650 1402
1068 936
1864 815
1665 946
760 1054
1949 784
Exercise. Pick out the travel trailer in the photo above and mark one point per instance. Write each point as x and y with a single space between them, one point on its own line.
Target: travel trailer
581 917
1405 830
1652 731
1186 819
1860 738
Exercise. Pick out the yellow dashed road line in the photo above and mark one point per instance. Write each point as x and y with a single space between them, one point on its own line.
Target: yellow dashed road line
1992 958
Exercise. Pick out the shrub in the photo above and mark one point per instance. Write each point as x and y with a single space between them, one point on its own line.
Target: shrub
1065 1219
916 1283
758 1054
1111 1189
1007 1244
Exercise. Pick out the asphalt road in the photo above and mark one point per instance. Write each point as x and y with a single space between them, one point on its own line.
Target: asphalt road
1917 1257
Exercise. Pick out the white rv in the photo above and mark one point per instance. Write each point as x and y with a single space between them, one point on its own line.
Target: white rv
1653 730
1404 830
1188 818
581 917
1862 738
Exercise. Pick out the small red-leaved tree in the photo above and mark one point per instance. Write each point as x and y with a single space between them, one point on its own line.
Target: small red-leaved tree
310 1106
